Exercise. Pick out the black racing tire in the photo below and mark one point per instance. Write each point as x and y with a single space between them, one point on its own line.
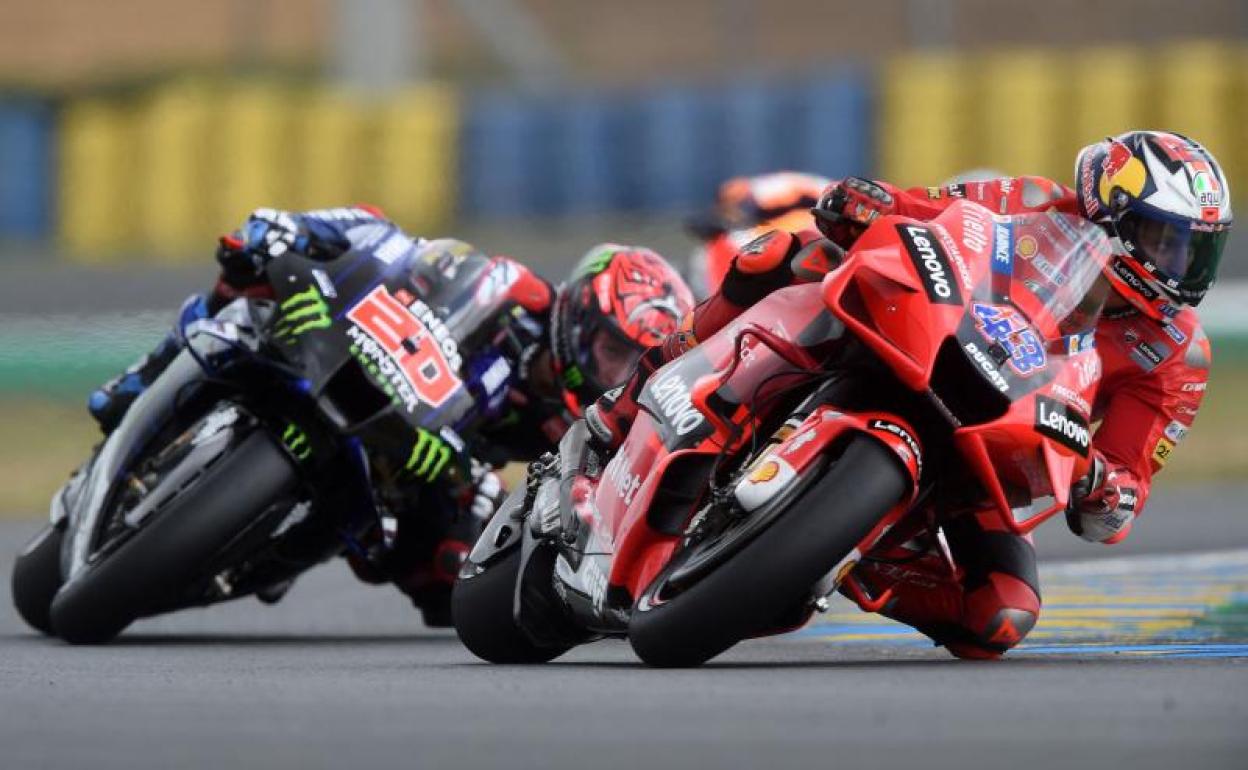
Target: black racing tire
481 607
37 577
774 571
154 568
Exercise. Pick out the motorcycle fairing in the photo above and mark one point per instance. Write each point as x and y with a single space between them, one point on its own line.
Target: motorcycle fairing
884 295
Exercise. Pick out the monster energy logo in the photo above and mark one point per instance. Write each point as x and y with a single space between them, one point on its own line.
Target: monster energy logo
429 456
296 441
572 377
302 312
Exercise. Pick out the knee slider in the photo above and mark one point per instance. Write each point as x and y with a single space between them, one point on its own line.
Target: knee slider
1002 612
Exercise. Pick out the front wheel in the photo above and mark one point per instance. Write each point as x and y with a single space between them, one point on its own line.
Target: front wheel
153 569
776 570
37 577
482 608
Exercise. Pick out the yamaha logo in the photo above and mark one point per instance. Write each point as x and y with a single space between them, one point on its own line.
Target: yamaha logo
932 263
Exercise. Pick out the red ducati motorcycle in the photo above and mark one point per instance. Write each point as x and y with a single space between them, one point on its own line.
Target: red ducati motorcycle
941 365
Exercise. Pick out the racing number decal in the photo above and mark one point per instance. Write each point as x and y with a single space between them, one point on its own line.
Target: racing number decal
410 343
1005 327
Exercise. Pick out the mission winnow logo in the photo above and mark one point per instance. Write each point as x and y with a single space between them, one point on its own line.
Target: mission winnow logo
932 263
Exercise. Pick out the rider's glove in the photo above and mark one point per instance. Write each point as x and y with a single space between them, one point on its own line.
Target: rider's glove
488 493
266 234
1101 510
847 208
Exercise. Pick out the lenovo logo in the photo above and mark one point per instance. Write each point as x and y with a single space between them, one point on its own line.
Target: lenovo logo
931 262
1055 420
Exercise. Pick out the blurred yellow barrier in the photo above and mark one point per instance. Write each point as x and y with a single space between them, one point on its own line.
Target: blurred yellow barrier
1198 98
330 141
923 122
1030 111
1017 113
414 166
1110 95
251 156
96 160
174 126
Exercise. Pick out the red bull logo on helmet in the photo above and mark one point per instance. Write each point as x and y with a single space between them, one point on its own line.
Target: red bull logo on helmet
1121 169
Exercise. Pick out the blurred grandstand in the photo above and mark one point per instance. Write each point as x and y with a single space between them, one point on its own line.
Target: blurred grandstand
134 131
140 128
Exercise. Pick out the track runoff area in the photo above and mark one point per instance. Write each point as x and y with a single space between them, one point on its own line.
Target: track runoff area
1181 606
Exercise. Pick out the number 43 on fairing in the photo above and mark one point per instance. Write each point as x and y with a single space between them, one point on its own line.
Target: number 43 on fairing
1005 327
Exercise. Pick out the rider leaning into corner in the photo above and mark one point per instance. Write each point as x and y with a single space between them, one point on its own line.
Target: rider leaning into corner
567 344
1164 202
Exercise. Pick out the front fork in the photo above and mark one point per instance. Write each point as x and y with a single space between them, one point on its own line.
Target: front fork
799 448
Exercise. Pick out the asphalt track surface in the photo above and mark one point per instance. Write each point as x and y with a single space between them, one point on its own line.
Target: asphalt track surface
1143 664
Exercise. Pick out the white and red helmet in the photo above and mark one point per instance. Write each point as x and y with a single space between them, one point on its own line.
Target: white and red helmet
1165 198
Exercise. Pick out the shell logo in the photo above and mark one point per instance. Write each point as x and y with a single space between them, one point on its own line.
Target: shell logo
765 472
844 571
1026 247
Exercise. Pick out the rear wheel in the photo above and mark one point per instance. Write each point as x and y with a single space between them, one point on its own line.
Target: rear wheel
482 608
776 570
37 577
154 568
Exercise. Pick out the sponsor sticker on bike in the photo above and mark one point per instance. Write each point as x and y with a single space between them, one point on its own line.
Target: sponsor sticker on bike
1007 328
764 482
932 264
1062 424
987 367
1003 248
671 396
620 475
912 446
415 340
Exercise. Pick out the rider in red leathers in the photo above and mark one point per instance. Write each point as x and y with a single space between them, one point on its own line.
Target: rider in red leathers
1165 203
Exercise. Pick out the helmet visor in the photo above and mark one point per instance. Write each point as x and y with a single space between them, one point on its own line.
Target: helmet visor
1185 257
611 358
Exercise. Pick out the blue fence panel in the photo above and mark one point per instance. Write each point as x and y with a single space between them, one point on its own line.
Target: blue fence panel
839 126
663 150
26 168
754 120
504 157
679 150
587 156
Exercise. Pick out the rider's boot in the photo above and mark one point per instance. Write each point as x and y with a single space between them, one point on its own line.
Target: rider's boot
979 613
110 402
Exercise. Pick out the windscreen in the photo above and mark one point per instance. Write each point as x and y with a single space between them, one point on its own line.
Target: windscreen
1044 291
